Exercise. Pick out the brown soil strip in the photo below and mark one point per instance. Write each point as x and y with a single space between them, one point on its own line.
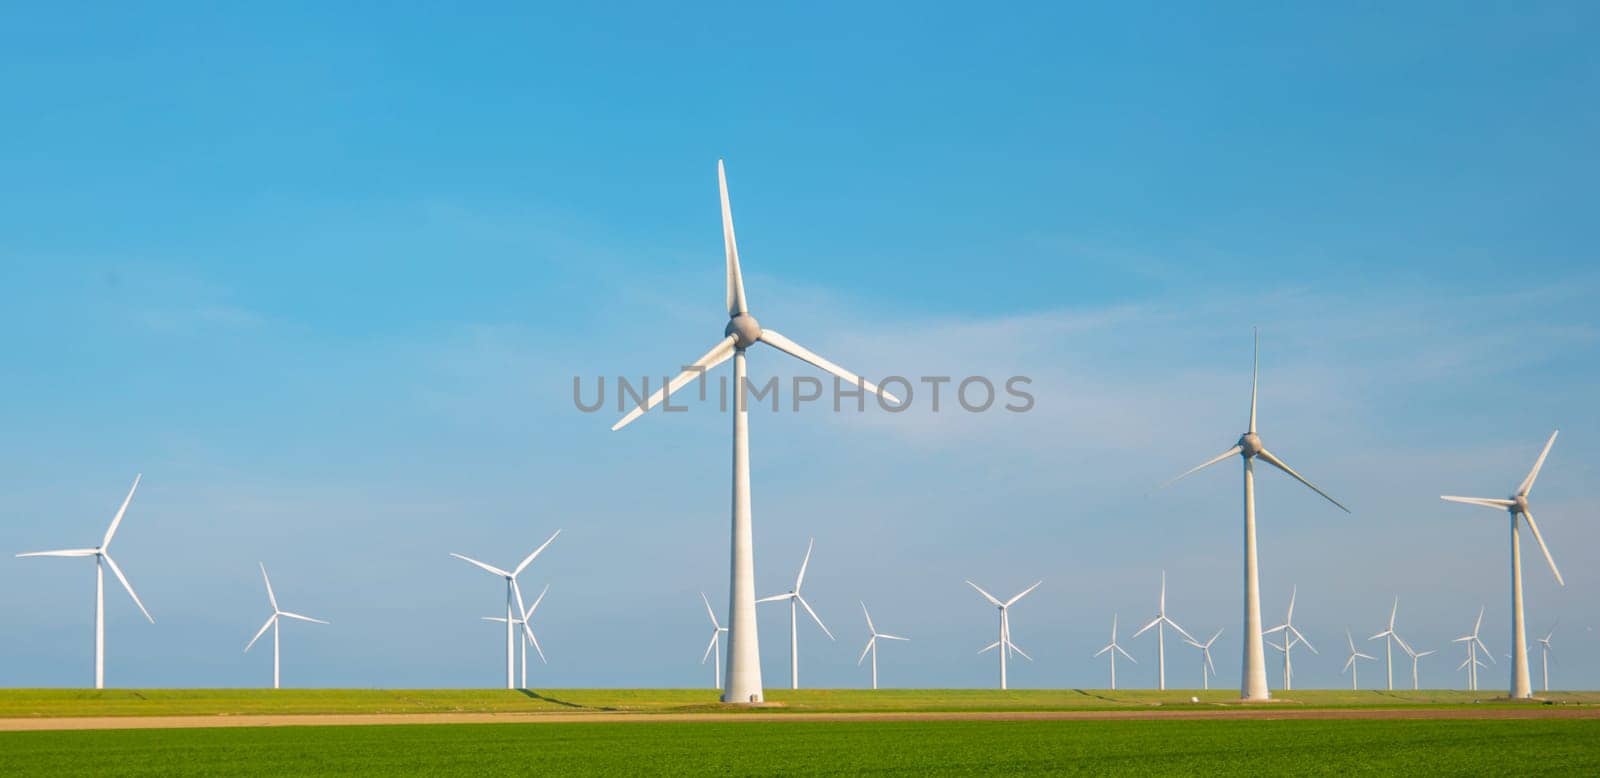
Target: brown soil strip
1229 713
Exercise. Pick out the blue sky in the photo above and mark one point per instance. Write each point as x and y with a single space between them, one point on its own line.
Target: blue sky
325 276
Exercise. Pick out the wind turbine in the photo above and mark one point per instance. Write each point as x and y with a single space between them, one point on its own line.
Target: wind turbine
1350 664
1289 631
278 614
1004 643
513 604
1544 654
1473 644
1206 666
1389 636
794 599
1161 622
872 645
1415 656
527 637
742 332
1517 506
1249 447
716 642
1284 648
102 560
1115 649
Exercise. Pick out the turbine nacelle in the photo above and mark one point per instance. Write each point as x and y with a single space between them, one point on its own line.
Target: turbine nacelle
1249 445
1519 504
745 329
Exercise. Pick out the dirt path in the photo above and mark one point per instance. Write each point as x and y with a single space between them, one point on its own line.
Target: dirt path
1246 714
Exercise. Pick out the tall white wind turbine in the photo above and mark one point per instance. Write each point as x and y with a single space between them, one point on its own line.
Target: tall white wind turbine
1350 664
274 621
1544 654
1474 644
1416 657
526 622
102 560
1004 642
795 602
1517 506
742 332
1249 447
872 644
513 603
1389 637
1113 648
1160 623
712 647
1291 636
1207 669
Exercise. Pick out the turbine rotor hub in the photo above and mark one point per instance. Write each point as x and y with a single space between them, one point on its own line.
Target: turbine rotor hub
745 328
1249 445
1519 504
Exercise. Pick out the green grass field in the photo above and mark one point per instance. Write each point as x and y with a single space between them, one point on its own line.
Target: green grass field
15 703
1549 747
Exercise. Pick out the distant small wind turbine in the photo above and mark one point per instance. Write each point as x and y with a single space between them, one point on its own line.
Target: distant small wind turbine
102 560
1517 507
1415 656
1473 645
1284 648
794 599
714 648
1389 636
1115 649
872 644
1350 664
1544 653
1207 669
1289 631
273 621
1160 623
527 634
1004 643
513 603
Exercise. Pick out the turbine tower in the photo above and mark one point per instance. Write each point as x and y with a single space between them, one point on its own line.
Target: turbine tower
795 602
1291 636
1004 642
513 604
1350 664
1113 648
1254 683
1389 637
716 643
278 614
1161 622
1207 669
742 332
1544 654
102 560
1473 644
527 636
1517 507
872 645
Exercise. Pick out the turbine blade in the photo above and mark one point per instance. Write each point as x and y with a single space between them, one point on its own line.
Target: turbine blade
1486 651
870 627
1102 651
1293 593
716 356
1404 646
1278 463
892 637
986 595
260 632
1127 655
534 639
1302 639
990 647
1534 526
736 301
1018 649
289 615
1147 627
117 520
1484 501
1275 630
1203 465
870 642
1181 630
778 341
534 555
488 567
1527 483
1208 661
1347 663
528 614
112 563
1024 593
1364 656
775 598
814 616
709 612
710 646
62 552
804 563
1255 372
272 598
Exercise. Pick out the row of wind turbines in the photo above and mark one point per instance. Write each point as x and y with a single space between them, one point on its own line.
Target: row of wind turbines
742 683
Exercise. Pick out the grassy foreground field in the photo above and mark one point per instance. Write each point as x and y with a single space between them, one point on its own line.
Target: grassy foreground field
1550 747
29 703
